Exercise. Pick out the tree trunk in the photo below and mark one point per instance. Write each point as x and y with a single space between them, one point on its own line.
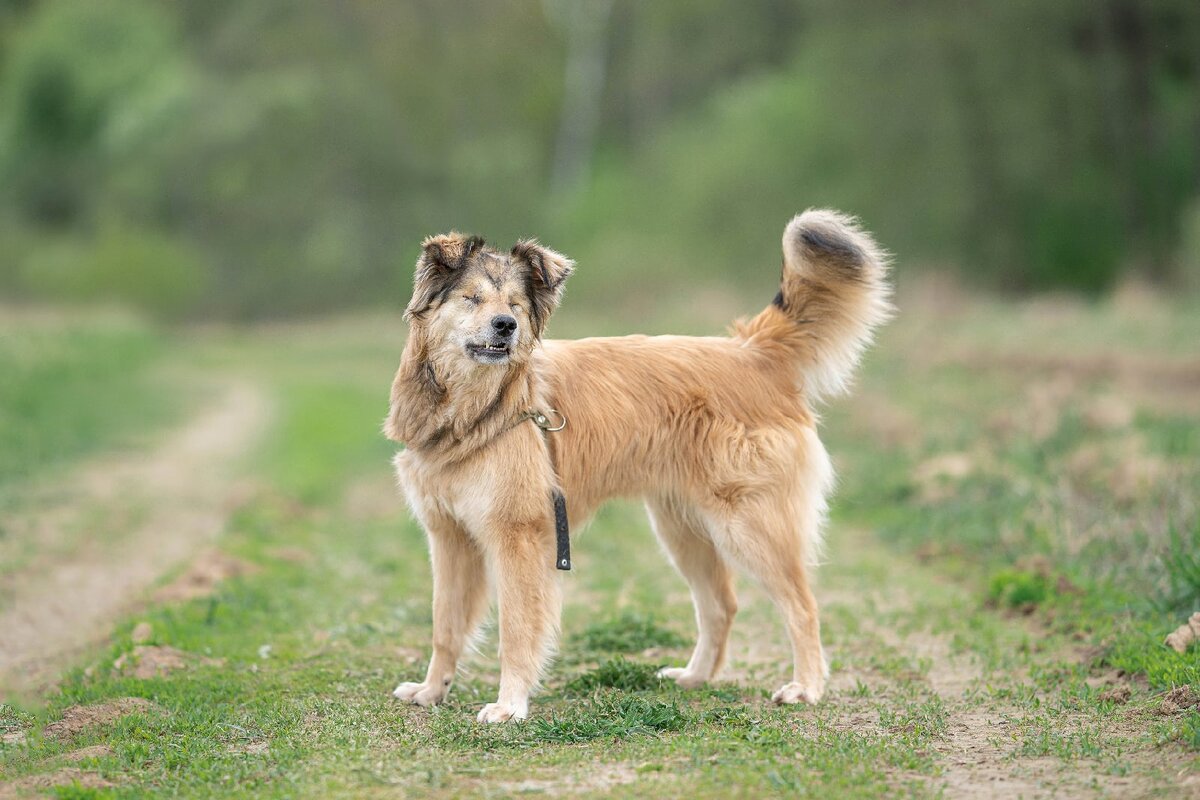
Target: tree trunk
585 25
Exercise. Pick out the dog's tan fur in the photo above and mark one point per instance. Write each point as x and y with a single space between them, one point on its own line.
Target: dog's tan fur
717 434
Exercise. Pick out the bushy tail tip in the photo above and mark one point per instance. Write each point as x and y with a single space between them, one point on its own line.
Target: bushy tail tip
835 287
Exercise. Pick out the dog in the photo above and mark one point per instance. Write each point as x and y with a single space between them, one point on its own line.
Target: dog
718 436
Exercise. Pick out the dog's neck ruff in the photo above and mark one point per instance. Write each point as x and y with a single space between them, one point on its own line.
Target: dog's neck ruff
422 413
446 420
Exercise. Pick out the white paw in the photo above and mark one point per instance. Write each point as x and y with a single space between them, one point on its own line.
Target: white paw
502 712
420 693
685 679
796 693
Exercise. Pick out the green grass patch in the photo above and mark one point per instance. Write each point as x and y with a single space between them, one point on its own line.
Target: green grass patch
1136 646
328 435
608 716
1012 588
630 632
1181 565
616 673
72 388
1189 730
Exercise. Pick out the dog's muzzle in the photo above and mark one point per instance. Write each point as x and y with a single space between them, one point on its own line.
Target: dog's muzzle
498 348
490 352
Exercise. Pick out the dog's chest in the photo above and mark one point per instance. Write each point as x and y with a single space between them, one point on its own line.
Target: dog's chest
465 494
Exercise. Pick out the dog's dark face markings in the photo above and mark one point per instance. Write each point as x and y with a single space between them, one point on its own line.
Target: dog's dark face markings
487 306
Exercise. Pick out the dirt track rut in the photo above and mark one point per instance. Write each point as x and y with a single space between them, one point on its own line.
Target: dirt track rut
178 496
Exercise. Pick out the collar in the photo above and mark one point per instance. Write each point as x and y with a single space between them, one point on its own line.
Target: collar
545 421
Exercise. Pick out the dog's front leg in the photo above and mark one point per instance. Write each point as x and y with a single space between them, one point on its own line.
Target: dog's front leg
459 602
530 601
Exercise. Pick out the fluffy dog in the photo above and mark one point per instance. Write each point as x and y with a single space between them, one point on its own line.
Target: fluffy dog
716 434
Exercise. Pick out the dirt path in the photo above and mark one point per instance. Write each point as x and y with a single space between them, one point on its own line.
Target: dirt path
141 514
902 637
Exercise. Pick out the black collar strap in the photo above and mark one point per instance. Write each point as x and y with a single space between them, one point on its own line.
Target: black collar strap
562 533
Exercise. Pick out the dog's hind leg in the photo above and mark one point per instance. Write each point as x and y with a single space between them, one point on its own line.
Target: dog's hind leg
459 603
530 601
768 542
711 585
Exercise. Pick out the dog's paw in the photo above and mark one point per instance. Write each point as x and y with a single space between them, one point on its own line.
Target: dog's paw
502 712
682 677
421 694
791 693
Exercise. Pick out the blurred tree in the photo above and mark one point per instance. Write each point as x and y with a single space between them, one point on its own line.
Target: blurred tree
668 57
285 156
585 23
1038 146
75 80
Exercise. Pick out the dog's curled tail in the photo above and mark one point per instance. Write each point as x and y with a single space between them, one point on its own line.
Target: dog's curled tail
835 290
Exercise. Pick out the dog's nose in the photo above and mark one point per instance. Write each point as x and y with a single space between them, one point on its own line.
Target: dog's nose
504 324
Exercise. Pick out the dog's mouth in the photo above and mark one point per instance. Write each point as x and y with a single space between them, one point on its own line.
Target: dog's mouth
496 353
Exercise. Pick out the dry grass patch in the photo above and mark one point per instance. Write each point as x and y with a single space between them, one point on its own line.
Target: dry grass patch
79 718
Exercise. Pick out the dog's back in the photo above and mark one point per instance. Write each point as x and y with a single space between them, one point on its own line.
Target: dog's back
711 418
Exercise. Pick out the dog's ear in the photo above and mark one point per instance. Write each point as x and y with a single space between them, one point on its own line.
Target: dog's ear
547 272
440 268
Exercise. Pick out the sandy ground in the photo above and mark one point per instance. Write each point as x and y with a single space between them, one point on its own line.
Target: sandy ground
180 495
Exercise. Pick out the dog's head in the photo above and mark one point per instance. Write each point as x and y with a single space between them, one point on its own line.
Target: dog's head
481 306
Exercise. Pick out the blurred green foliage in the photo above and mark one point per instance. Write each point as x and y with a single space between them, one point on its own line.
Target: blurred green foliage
211 158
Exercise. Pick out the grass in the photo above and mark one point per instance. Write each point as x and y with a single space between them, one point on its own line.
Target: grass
604 717
616 673
990 572
75 387
1014 588
630 632
1073 485
1181 564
